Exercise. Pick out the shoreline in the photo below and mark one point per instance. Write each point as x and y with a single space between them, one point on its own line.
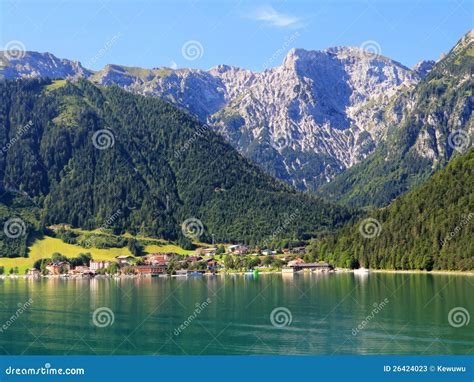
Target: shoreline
415 271
241 273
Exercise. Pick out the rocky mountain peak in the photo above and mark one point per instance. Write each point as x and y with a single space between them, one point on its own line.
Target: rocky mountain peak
35 64
423 67
310 118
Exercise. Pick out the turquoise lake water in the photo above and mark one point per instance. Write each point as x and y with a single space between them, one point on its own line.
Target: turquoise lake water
379 313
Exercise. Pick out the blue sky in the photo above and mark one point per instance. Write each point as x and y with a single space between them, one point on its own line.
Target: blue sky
249 34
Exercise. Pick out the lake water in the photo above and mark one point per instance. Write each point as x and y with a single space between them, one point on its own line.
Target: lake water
312 314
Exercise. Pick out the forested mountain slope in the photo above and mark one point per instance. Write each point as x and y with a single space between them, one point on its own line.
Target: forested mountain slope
431 227
83 154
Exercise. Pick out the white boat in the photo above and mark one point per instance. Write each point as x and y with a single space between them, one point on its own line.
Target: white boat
361 271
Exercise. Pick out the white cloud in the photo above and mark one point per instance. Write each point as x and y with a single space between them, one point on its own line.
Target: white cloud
273 18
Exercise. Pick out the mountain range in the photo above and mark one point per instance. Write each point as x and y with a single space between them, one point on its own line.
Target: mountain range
316 116
148 151
95 157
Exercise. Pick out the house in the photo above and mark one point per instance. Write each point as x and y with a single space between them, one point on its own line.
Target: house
33 272
298 250
165 255
211 251
295 262
62 226
237 249
95 265
158 258
212 264
82 270
124 260
149 269
192 259
267 252
58 268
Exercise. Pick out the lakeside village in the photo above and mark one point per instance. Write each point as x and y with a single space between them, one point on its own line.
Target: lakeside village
204 262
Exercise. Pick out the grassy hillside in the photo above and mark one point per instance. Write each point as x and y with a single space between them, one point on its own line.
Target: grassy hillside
44 247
